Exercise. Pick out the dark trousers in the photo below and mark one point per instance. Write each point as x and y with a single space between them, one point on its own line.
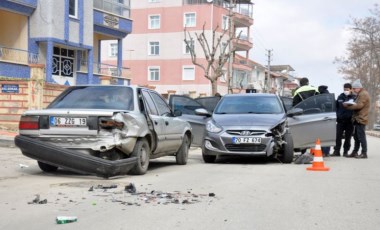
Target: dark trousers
347 128
360 138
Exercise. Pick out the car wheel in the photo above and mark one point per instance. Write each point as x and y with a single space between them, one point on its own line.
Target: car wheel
287 152
142 152
46 167
208 158
183 152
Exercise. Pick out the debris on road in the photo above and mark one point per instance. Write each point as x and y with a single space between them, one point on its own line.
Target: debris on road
66 219
37 200
130 188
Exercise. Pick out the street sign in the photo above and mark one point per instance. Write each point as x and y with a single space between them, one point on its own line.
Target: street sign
9 88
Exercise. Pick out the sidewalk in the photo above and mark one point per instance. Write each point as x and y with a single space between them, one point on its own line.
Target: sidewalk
7 138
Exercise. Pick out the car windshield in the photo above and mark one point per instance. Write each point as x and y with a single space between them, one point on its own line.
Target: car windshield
249 104
93 97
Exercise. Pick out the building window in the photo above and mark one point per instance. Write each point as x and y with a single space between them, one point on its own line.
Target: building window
188 73
73 8
190 20
225 22
154 21
154 73
113 50
154 48
187 48
63 62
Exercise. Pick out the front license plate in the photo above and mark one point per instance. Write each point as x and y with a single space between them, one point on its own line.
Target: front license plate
68 121
246 140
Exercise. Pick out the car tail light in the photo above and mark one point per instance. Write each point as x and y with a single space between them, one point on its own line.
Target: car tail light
29 122
110 124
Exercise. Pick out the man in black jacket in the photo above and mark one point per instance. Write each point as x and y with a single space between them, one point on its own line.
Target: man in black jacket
344 122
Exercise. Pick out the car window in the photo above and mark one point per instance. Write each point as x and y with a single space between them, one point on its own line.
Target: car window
252 104
162 106
95 97
150 104
184 104
322 103
288 102
208 103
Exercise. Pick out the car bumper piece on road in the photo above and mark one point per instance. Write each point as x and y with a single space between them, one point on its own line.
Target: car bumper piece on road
73 160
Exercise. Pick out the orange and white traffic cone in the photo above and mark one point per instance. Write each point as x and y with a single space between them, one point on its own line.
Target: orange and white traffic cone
318 164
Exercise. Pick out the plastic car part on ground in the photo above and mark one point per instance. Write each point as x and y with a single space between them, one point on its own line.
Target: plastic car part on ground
73 160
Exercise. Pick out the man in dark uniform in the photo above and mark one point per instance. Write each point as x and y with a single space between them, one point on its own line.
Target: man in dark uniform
344 121
304 91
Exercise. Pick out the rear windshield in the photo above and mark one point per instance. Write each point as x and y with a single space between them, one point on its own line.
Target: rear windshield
92 97
244 104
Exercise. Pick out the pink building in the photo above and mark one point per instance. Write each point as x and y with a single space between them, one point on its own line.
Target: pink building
156 53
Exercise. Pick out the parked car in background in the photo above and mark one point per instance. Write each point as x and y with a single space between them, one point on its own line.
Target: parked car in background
259 124
104 130
376 126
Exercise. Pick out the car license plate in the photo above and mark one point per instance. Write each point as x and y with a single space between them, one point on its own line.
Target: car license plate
246 140
68 121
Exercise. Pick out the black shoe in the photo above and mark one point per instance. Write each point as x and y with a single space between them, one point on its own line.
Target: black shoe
362 156
335 154
353 154
345 154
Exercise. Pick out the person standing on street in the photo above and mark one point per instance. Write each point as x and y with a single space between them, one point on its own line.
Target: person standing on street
304 91
344 122
360 119
325 149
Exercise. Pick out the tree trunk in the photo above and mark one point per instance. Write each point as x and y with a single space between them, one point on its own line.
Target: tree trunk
214 88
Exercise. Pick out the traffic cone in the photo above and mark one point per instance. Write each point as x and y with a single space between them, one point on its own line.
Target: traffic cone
318 164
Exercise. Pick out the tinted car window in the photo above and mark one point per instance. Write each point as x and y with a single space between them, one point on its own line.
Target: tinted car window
150 104
253 104
321 103
185 105
92 97
162 106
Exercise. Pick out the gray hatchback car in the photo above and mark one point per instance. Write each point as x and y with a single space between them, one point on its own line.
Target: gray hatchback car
259 124
104 130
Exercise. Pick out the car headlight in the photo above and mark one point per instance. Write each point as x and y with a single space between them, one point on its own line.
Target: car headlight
212 127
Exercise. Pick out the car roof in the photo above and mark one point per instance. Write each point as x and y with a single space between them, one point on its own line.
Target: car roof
251 95
129 86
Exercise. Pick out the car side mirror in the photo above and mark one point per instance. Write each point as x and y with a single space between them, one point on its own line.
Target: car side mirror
294 112
177 113
202 112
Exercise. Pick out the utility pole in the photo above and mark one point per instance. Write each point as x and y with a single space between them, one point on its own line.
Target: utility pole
230 34
268 82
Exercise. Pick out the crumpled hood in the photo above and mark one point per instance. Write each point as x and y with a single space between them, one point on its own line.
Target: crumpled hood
263 120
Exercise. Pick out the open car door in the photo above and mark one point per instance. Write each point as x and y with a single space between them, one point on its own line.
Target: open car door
317 121
188 106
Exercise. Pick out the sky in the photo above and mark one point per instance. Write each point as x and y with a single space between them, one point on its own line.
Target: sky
307 35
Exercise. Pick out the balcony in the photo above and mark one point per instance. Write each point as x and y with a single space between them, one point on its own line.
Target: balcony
121 8
103 69
18 56
243 43
25 7
111 17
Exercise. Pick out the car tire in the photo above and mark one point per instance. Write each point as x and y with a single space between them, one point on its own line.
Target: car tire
142 152
287 152
46 167
183 152
208 158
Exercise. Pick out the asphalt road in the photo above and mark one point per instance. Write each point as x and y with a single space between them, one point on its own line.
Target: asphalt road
249 193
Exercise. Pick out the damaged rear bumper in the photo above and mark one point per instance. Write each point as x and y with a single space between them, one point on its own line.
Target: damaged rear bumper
73 160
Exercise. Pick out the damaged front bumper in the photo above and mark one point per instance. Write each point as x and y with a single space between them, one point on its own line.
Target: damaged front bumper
73 160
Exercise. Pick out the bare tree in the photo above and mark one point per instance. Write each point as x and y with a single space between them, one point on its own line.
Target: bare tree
362 60
215 53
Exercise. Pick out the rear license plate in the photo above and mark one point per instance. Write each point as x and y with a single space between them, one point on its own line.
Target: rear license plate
246 140
68 121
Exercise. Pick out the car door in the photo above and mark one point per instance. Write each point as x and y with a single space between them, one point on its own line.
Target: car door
173 127
317 121
188 106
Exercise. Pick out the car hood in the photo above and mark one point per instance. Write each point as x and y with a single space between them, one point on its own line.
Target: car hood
263 120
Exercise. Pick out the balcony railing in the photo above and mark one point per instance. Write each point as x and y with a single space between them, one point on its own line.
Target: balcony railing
243 7
18 56
106 70
119 7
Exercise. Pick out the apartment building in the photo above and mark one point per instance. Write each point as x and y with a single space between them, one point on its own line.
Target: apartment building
65 36
157 55
47 45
